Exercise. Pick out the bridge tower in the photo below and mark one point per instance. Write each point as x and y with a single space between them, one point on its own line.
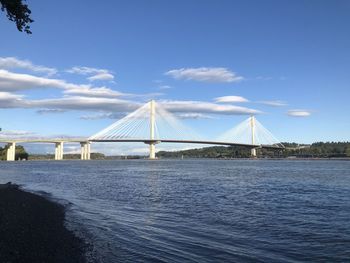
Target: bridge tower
152 144
11 151
252 127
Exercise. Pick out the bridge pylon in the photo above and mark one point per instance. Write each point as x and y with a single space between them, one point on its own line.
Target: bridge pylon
252 127
152 144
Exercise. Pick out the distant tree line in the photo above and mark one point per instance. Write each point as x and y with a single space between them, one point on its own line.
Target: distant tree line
319 149
315 150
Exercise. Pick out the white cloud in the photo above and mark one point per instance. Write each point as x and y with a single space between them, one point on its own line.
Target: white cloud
205 74
164 87
101 76
16 133
84 103
93 92
206 107
273 103
194 115
12 62
231 99
83 97
95 73
103 115
10 81
10 96
9 100
299 113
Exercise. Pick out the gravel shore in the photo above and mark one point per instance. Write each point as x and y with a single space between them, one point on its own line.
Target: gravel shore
32 229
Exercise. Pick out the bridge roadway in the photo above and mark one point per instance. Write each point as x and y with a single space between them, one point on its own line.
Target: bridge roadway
190 141
85 144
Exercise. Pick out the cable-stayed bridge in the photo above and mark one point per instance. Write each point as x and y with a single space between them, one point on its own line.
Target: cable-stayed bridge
153 124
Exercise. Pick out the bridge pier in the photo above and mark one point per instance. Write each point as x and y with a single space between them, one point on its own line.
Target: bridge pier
253 153
59 151
85 151
11 151
152 151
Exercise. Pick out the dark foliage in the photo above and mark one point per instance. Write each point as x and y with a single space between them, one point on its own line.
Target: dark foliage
17 12
315 150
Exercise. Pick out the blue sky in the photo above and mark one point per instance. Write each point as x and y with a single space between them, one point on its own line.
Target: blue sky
89 62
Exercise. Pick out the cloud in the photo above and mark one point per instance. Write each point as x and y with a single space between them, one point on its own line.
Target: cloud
206 107
101 76
299 113
10 81
230 99
273 103
10 96
93 92
86 97
12 62
164 87
103 115
15 133
84 103
194 115
263 78
95 73
49 111
205 74
9 100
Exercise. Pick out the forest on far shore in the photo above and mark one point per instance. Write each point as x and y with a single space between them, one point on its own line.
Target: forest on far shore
292 150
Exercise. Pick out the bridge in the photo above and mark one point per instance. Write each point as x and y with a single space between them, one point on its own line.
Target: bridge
153 124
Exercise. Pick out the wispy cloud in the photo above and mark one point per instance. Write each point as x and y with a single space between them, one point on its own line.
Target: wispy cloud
12 62
230 99
49 111
205 74
273 103
164 87
16 133
263 78
93 92
299 113
103 115
194 115
94 73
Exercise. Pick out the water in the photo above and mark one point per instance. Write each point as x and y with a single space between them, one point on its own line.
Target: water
201 210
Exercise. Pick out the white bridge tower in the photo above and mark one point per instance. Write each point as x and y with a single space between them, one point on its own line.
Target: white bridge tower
152 120
252 127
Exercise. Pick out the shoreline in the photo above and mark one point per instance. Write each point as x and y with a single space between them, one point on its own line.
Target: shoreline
32 229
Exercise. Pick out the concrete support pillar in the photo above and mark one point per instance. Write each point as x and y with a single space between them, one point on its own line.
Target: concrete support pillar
11 151
152 151
253 152
85 151
59 151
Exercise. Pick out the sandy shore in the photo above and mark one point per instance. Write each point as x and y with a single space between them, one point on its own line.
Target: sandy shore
32 229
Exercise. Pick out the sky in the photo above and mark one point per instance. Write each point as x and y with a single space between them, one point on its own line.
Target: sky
212 63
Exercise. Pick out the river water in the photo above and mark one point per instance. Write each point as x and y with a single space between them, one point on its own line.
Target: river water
200 210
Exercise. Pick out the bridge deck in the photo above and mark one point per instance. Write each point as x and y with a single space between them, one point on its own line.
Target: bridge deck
147 141
190 141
